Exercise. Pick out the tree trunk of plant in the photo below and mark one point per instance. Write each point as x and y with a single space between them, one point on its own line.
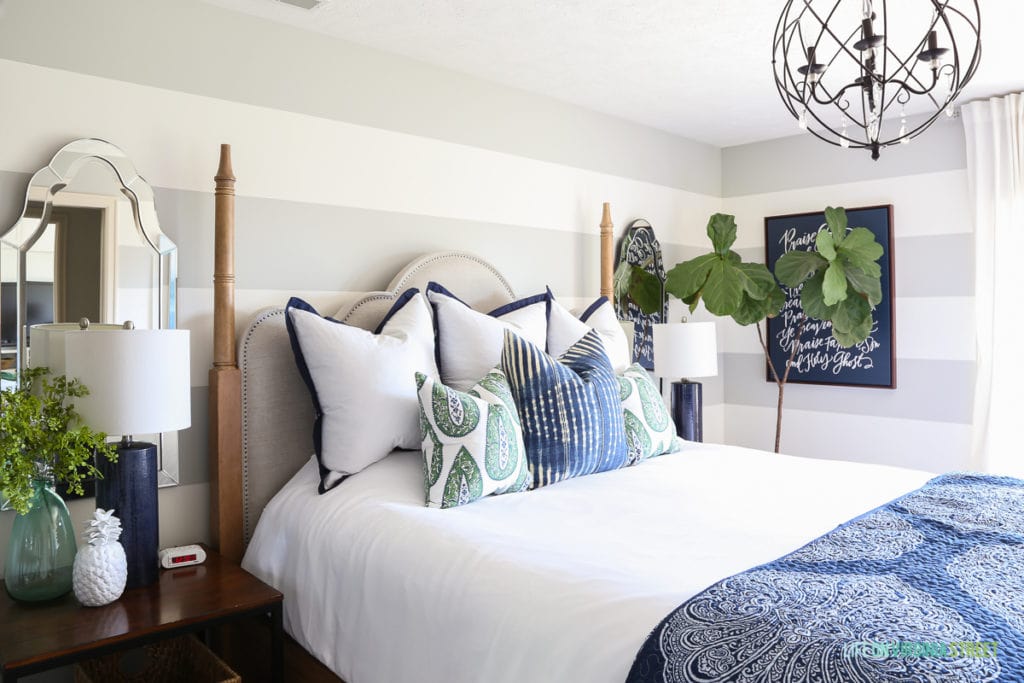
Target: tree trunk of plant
778 416
780 382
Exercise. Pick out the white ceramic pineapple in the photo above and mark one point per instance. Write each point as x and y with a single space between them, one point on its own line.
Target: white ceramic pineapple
101 569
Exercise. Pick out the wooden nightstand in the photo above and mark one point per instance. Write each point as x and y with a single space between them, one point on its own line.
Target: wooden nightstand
39 636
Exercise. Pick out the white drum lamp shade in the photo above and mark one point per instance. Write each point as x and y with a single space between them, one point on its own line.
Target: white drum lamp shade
138 380
46 349
684 350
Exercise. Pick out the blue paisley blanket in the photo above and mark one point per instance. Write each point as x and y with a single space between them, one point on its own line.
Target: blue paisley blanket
929 587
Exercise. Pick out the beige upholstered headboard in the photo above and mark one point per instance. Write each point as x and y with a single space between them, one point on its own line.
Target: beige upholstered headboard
277 412
261 415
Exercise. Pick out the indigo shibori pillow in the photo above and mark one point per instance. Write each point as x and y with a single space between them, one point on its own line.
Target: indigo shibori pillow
472 441
362 383
569 408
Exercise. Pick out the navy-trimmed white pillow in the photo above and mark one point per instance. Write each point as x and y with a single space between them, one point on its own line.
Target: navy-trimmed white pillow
469 342
569 408
362 383
565 328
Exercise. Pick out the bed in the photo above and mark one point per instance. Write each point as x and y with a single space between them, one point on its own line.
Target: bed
564 582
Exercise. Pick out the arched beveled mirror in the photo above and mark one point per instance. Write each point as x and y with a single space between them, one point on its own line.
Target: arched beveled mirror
87 245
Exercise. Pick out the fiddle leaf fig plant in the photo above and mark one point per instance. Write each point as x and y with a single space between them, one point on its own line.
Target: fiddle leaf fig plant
842 280
839 281
40 432
747 292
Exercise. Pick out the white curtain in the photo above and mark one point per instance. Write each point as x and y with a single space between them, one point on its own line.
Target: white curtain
995 167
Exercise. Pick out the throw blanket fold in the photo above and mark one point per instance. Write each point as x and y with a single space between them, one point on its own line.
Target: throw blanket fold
929 587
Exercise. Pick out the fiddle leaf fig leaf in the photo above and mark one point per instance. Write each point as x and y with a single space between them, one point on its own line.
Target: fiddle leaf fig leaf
794 267
645 290
871 287
722 231
693 300
751 310
776 302
833 288
812 300
756 279
620 281
688 277
861 251
837 222
850 313
869 267
723 291
854 336
826 245
862 241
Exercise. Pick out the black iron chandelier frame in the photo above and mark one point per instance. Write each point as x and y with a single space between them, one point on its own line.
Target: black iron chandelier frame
808 98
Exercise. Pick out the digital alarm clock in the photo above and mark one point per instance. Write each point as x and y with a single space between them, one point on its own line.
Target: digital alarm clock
182 556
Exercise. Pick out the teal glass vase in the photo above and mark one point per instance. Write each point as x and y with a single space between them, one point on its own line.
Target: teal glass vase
41 550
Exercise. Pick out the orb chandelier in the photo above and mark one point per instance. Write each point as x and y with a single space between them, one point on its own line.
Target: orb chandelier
850 70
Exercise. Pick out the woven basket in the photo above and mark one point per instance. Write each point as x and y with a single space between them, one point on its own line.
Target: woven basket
169 661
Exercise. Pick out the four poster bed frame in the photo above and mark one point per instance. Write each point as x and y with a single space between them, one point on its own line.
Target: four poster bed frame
261 420
244 470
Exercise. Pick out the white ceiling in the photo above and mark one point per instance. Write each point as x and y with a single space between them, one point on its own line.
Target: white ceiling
697 68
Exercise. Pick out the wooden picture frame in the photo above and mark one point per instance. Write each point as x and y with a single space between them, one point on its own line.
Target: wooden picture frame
821 360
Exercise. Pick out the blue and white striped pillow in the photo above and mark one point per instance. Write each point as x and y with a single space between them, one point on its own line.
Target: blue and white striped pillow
569 408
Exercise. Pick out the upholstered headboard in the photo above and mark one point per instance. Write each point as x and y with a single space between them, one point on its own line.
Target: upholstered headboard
277 413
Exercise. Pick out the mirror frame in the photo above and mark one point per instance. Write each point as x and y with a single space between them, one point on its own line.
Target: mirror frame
26 231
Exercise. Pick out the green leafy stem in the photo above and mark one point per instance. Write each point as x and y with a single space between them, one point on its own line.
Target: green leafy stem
40 432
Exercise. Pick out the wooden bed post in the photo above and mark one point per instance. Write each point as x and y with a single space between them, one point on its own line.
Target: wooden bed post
225 378
607 251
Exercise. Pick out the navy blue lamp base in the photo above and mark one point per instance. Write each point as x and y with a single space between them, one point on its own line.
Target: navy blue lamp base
687 409
129 487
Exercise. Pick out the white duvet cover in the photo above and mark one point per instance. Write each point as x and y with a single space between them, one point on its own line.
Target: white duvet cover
563 583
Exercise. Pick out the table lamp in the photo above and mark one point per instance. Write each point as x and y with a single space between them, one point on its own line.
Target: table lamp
684 350
139 383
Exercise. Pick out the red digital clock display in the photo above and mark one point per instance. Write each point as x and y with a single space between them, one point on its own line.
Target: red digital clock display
183 558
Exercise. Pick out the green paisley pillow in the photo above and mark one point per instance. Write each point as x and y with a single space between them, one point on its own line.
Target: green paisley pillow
472 442
649 427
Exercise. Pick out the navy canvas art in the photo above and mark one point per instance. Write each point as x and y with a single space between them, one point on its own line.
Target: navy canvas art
820 359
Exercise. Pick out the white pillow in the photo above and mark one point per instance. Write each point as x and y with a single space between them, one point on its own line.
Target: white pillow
565 329
469 342
362 384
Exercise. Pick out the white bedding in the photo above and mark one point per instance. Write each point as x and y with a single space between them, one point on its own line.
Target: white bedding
563 583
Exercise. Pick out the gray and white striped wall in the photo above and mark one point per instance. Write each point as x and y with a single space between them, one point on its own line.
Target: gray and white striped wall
350 163
925 422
